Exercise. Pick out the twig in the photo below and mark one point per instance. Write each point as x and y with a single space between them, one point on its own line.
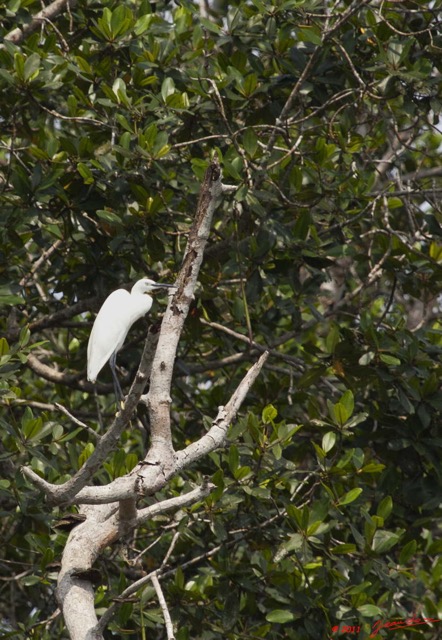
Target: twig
164 608
346 15
175 538
66 492
51 11
389 303
38 263
289 153
216 436
289 102
259 347
76 420
151 474
146 514
164 572
187 143
238 147
82 119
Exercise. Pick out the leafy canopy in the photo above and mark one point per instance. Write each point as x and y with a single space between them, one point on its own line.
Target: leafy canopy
325 118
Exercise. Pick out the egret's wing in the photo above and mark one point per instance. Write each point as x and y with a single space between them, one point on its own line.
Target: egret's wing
110 328
118 313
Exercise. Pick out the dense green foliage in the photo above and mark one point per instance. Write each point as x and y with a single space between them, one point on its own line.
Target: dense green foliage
325 119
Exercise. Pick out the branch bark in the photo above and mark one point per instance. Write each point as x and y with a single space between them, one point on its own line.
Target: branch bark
164 608
48 13
158 399
111 510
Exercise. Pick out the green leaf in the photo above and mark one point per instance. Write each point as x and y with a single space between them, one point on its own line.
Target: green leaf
373 467
370 611
332 339
248 84
109 216
328 441
340 414
343 409
360 588
391 360
357 419
319 451
121 20
269 414
19 64
120 91
297 515
385 507
384 540
4 347
281 616
310 34
85 173
209 25
294 543
167 88
85 454
32 428
142 24
348 402
408 552
350 496
233 458
344 548
31 67
104 24
366 358
242 472
25 336
250 142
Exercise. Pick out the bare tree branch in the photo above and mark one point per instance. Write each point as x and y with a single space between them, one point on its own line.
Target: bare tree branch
158 399
66 492
148 477
164 608
85 543
111 510
216 436
48 13
297 362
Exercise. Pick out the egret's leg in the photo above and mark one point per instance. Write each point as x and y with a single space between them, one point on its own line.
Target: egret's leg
119 397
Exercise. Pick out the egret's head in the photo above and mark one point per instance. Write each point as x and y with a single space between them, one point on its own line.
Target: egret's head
145 285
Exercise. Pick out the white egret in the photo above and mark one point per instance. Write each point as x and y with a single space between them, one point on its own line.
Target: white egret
116 316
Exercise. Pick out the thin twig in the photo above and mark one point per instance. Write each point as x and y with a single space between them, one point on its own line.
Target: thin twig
389 303
38 263
297 362
51 11
75 420
238 147
164 608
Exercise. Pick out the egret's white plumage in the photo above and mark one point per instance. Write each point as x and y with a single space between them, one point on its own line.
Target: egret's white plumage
116 316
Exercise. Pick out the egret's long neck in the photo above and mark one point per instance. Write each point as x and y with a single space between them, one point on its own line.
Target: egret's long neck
138 289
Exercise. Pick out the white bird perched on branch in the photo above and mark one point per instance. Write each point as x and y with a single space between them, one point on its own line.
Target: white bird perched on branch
116 316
